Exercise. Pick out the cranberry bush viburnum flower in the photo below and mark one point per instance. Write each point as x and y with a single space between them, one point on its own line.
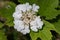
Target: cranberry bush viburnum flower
25 18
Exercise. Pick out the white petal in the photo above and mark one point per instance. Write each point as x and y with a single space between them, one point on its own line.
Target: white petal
28 7
33 23
35 8
17 15
25 30
19 25
33 28
38 18
40 25
21 7
15 26
39 22
18 22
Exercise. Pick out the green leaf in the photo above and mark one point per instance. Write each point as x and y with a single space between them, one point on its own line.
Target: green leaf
7 13
30 1
45 33
1 25
2 35
57 26
47 7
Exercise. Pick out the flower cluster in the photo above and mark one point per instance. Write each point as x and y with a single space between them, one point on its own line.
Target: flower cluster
25 18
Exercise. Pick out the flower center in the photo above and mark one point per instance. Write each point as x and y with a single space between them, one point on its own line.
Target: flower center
28 17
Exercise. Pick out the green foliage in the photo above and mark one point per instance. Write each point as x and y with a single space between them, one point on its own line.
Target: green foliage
2 35
7 12
29 1
45 33
1 25
47 7
57 26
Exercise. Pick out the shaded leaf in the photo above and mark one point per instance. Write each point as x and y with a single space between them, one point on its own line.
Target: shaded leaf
1 25
57 26
7 13
47 8
2 35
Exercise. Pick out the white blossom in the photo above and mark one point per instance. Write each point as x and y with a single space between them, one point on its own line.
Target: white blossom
25 18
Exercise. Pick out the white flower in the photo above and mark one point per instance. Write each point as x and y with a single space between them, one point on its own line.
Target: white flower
25 18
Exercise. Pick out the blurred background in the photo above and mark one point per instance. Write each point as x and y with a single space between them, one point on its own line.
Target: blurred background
9 33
